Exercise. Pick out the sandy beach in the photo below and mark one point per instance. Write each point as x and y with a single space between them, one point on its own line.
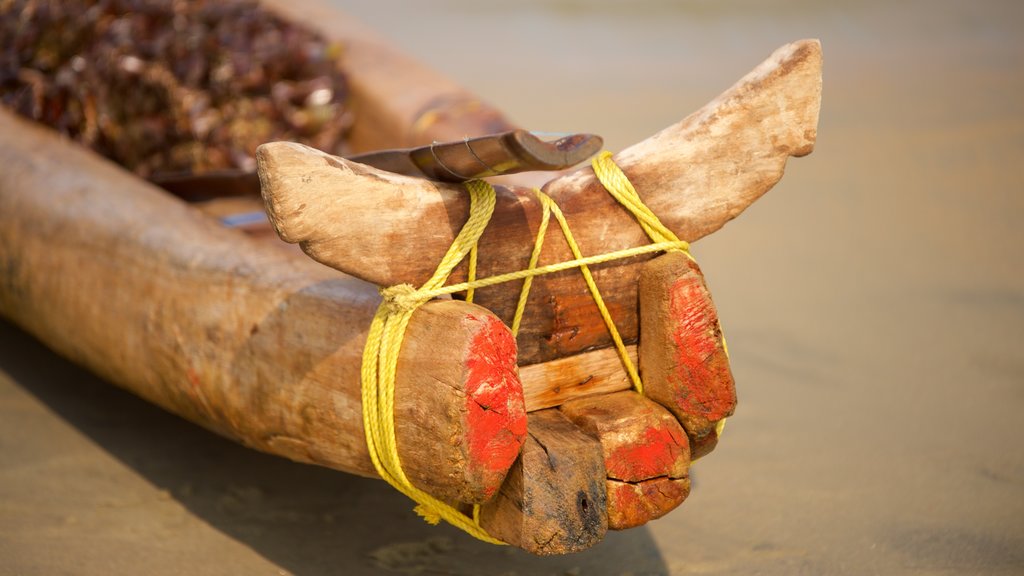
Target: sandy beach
873 300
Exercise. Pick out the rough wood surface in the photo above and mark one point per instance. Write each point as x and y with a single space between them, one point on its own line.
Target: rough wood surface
682 353
553 500
696 175
592 373
460 405
646 455
248 341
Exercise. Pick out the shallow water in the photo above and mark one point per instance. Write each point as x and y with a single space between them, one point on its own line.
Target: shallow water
874 302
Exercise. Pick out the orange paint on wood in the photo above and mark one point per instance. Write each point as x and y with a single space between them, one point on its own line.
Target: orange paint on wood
655 451
702 369
644 448
553 499
479 416
632 504
682 354
495 412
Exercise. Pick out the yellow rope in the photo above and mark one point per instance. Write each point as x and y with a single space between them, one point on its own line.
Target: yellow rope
549 207
380 361
384 341
613 179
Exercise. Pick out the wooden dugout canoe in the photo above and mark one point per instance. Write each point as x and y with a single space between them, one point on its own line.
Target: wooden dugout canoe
259 345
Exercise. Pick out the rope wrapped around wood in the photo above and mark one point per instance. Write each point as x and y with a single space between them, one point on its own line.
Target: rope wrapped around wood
380 357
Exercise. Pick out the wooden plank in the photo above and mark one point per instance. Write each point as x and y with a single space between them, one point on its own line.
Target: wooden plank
593 373
545 385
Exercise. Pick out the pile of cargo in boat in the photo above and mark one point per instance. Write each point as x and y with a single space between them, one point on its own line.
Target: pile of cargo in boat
172 86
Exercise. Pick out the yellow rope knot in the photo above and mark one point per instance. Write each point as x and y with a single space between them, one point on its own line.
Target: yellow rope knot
401 298
384 341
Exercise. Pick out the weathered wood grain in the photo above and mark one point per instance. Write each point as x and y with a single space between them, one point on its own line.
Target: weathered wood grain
554 499
210 347
592 373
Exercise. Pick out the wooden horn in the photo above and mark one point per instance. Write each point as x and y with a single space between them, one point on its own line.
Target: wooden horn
696 175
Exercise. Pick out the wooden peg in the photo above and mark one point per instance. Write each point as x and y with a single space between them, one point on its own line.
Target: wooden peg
646 455
553 500
682 353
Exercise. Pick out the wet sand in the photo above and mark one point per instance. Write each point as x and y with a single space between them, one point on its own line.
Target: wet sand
874 303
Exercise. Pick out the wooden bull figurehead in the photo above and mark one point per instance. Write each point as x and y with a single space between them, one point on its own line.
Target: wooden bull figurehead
695 175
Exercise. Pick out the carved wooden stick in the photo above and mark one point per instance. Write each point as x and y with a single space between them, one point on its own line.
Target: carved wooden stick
681 342
646 455
696 175
553 500
246 340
